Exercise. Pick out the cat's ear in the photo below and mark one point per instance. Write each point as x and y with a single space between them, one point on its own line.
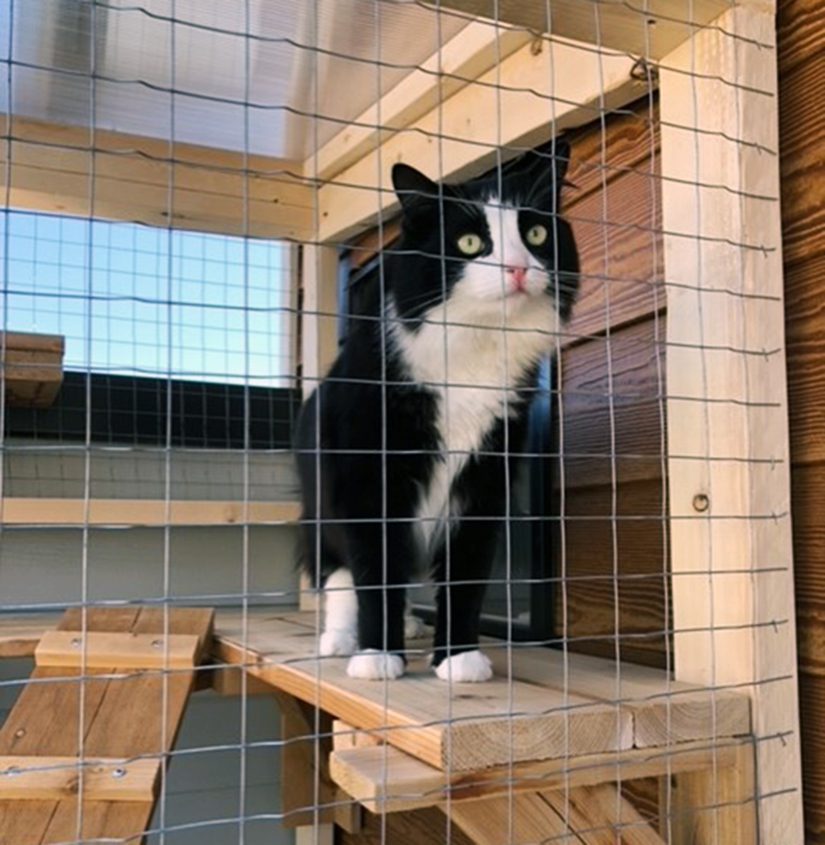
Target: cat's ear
545 172
412 187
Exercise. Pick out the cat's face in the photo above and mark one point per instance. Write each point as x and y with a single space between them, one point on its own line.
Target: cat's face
495 245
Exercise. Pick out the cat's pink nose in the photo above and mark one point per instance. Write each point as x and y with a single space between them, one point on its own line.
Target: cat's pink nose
517 276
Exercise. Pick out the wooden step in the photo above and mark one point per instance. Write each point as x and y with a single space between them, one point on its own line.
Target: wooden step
127 714
387 780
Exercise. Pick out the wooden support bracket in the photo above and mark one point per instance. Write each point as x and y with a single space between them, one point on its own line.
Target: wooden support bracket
96 649
56 778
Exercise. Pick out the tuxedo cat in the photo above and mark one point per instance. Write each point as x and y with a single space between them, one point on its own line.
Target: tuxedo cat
402 451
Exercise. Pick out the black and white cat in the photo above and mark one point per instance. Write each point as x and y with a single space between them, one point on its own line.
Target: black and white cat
402 449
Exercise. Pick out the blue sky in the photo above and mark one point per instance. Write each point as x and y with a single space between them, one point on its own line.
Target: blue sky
136 300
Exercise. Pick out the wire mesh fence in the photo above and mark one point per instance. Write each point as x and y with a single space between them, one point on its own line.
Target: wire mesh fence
438 349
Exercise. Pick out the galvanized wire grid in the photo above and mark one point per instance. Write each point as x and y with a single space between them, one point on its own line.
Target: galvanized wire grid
259 338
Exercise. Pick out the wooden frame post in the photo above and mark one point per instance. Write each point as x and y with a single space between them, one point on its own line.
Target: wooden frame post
731 554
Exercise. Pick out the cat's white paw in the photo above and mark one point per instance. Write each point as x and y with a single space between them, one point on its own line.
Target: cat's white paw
414 628
339 642
465 668
374 665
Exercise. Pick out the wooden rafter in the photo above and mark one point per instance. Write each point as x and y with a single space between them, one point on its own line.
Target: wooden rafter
522 101
72 170
470 53
652 28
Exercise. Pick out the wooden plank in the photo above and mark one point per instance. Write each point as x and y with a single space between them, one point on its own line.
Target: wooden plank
716 804
131 651
738 628
519 820
140 715
32 368
664 711
618 234
143 512
123 718
651 30
428 826
472 52
809 553
486 726
151 181
601 815
386 780
586 601
627 142
309 798
612 406
55 778
319 313
812 714
534 96
805 325
32 729
20 633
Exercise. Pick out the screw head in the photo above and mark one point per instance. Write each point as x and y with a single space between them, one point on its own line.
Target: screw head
701 502
119 773
157 643
76 642
19 733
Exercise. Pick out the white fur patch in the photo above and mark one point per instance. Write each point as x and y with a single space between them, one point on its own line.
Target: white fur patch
340 615
474 350
337 644
466 668
373 665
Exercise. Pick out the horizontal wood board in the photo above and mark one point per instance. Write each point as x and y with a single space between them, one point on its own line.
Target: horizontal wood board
546 712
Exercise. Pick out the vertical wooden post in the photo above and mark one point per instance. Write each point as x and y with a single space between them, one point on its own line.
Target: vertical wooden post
714 806
319 338
733 602
305 759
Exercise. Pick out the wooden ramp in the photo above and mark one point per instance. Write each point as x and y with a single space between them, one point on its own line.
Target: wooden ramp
83 749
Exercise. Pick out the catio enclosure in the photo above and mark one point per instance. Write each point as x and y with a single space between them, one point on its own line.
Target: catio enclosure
197 207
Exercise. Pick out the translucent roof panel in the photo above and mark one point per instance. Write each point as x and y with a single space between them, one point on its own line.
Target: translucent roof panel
275 77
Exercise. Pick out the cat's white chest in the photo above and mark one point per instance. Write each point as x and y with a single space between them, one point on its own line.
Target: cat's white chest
474 371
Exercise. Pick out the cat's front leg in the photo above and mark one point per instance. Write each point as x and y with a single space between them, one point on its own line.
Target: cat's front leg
340 636
379 576
461 586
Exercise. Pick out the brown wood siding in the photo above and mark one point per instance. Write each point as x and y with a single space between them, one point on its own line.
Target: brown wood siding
613 547
802 162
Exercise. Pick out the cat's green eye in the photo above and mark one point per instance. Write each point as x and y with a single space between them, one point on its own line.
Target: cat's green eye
470 244
536 235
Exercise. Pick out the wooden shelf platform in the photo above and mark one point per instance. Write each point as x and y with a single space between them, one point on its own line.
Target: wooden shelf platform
548 739
548 711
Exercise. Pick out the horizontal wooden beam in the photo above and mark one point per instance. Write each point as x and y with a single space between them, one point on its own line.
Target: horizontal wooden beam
651 29
468 55
32 368
58 778
38 512
99 649
523 101
385 779
76 171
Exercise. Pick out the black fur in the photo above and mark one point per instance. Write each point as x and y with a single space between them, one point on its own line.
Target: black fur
375 431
